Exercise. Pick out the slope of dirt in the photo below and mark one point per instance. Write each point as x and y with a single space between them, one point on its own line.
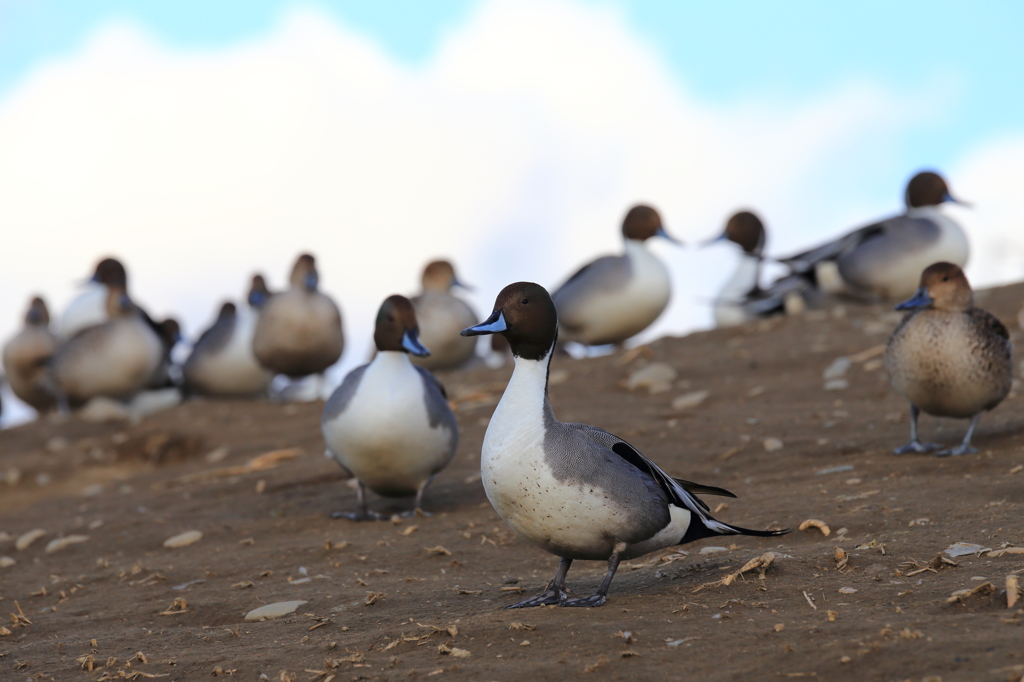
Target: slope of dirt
422 597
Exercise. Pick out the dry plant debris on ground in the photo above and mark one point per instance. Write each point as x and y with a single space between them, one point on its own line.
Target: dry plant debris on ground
421 598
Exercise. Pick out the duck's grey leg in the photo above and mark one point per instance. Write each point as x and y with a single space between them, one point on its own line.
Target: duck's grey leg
600 596
965 447
417 509
915 445
555 594
361 513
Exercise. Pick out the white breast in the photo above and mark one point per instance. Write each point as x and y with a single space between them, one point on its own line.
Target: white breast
951 247
88 309
728 309
384 436
567 519
619 314
235 369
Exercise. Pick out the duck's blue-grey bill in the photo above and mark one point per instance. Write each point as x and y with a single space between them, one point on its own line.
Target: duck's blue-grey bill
953 200
492 325
919 300
708 242
411 342
665 235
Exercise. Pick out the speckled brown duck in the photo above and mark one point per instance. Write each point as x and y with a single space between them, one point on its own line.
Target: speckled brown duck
26 355
441 316
299 330
949 358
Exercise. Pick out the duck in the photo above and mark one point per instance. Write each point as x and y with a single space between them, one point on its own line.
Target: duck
114 359
222 361
613 298
884 260
89 308
441 317
167 373
299 331
26 355
742 298
948 357
389 423
575 490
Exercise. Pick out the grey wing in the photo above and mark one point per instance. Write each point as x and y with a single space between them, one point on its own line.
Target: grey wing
581 455
804 262
606 274
438 410
885 248
674 490
342 395
762 302
216 338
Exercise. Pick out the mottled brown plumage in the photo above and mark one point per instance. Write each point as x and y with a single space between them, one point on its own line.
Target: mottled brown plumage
299 330
441 317
949 358
25 357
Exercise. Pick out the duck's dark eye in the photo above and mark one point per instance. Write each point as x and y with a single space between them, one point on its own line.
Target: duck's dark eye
946 278
391 318
525 301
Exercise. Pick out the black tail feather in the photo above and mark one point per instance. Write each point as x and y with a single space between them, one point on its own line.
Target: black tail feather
698 531
700 489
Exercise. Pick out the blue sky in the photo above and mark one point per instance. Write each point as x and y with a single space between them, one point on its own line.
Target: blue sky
722 51
202 141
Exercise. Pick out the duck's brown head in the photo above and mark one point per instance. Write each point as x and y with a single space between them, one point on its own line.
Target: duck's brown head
943 287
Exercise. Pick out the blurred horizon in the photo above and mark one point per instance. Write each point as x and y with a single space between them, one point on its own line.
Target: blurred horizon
202 142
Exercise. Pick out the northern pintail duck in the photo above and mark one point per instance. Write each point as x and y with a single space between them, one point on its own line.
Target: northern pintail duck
389 423
222 361
441 316
299 330
742 298
89 308
26 356
615 297
114 359
575 490
947 357
885 259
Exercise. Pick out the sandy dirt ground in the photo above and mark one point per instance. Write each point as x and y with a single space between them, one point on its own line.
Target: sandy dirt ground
422 598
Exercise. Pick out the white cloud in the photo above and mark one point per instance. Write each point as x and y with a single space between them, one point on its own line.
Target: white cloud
991 179
515 151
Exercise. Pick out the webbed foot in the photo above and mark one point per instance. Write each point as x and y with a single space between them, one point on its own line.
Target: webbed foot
916 446
551 596
591 601
360 516
958 450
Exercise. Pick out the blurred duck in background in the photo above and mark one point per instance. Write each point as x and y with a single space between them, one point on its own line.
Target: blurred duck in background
389 423
441 317
222 361
114 359
299 330
167 374
26 356
947 357
885 259
89 308
615 297
742 299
